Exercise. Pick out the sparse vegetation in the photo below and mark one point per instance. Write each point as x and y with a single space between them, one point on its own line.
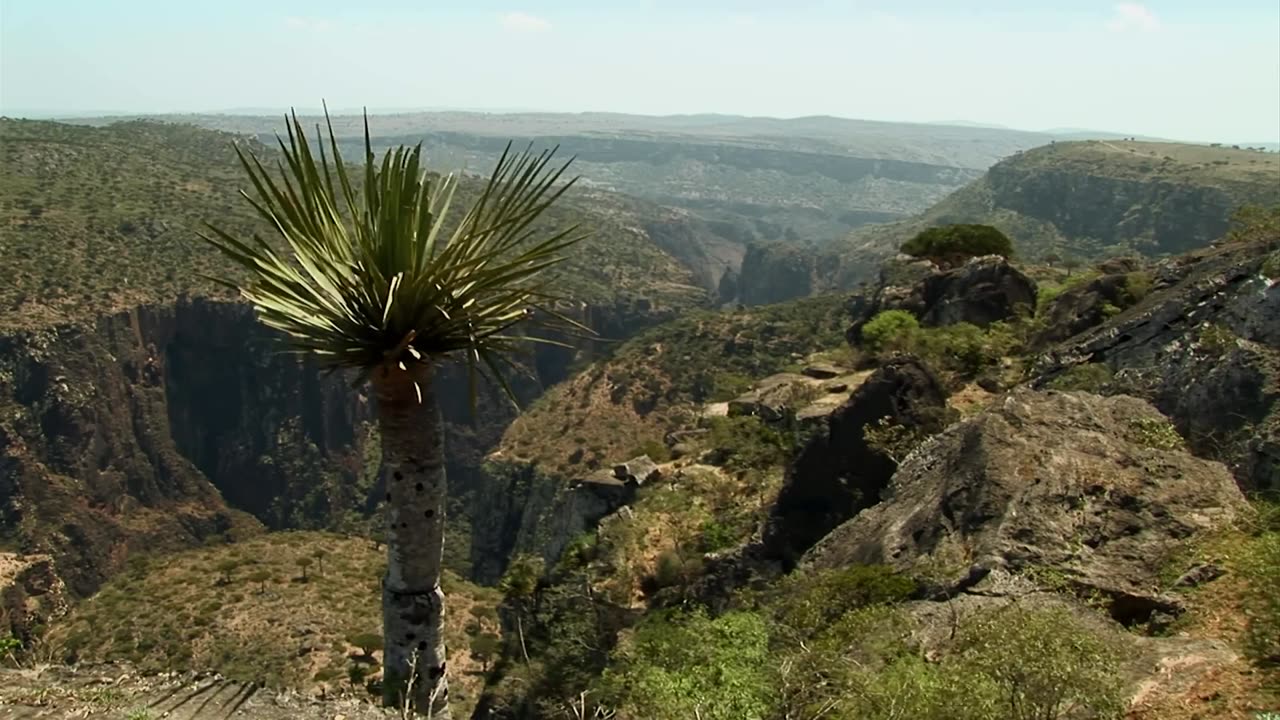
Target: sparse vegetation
1156 433
1089 377
167 617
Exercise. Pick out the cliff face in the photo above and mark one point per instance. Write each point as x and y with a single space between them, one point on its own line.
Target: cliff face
1156 216
165 426
1090 199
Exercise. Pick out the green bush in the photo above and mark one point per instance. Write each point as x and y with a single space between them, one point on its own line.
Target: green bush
951 245
690 666
890 330
1137 285
1260 567
1090 377
655 449
715 536
1156 433
1046 293
1042 663
1271 266
807 602
671 569
726 386
747 442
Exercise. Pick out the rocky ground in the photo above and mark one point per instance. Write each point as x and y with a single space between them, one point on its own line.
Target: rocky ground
118 692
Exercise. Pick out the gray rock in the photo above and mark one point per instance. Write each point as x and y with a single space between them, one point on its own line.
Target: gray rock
773 399
823 371
1199 575
1204 348
836 474
636 471
1067 489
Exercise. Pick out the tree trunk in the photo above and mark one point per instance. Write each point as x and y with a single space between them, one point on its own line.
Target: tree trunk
412 601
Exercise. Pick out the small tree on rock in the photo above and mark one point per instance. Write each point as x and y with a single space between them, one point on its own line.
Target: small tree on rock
952 245
319 554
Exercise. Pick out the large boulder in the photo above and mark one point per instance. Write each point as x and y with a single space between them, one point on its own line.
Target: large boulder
982 291
837 473
1071 490
773 398
1204 348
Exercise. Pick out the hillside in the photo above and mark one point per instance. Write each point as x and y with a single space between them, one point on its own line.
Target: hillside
811 179
251 612
103 219
141 408
1091 199
1070 498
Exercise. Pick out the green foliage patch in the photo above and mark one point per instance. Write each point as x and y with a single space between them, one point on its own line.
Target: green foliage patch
951 245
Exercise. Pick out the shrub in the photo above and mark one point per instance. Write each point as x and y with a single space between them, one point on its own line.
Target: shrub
726 386
485 647
747 442
670 570
1090 377
1042 663
890 330
1271 267
656 450
952 245
1155 433
962 347
369 643
715 535
1137 285
891 439
688 665
1046 293
808 602
1260 567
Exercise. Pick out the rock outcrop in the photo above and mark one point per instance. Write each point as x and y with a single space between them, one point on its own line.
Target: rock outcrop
166 425
1204 348
837 473
31 595
982 291
1071 490
1090 304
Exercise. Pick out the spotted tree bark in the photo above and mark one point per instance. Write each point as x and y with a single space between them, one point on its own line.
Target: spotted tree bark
412 600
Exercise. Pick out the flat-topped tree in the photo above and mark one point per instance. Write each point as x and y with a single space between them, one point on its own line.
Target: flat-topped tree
952 245
365 276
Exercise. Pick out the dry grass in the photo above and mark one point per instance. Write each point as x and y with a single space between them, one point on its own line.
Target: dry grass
267 624
1228 690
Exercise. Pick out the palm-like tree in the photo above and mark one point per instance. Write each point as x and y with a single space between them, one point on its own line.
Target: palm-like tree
374 280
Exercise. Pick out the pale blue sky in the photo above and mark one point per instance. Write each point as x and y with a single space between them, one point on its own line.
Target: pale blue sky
1184 69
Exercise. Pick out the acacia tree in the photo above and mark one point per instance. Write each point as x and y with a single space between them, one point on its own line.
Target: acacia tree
365 276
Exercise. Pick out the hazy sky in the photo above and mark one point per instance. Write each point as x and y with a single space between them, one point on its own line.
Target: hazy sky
1185 69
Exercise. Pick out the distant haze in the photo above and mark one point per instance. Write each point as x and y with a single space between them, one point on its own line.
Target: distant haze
1177 69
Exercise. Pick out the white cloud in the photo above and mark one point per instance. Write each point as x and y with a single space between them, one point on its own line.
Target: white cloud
312 24
523 22
1133 16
